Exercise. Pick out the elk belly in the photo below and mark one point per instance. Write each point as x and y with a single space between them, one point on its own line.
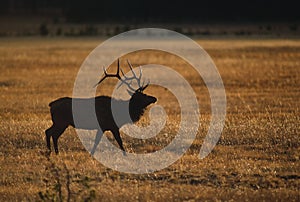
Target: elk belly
84 114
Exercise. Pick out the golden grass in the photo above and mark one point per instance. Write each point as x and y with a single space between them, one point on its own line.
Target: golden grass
257 157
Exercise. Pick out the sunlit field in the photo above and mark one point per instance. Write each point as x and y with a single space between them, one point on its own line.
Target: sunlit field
256 158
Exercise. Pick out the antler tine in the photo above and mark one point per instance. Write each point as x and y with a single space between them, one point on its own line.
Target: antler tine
117 74
126 77
138 78
131 68
105 75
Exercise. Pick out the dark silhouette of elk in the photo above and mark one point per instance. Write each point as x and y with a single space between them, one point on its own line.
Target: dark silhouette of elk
62 115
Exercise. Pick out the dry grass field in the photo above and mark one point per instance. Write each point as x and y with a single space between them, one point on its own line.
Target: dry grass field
257 157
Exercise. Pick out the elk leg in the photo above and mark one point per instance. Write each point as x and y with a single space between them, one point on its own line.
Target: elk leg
97 140
117 136
48 136
49 132
55 137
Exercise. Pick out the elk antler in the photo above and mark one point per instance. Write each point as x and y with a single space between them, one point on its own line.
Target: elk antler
127 80
109 75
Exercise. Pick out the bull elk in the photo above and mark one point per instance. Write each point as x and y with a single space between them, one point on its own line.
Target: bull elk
62 116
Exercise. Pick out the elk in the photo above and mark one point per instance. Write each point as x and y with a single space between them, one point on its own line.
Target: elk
62 115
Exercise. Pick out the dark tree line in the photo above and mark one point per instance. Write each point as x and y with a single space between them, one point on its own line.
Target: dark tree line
157 10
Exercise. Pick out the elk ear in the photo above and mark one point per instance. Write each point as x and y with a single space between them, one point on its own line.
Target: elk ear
129 92
143 88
